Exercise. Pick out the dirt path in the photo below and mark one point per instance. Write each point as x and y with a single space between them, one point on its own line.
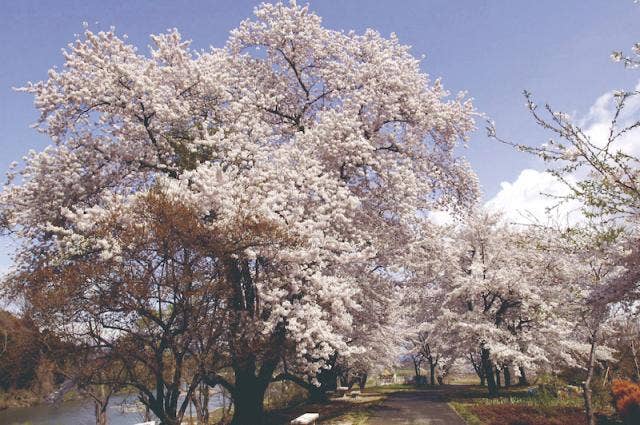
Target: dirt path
414 408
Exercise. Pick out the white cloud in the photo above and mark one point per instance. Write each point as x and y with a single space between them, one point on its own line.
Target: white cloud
526 199
596 123
533 197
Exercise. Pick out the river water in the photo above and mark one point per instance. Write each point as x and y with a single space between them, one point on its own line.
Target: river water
81 413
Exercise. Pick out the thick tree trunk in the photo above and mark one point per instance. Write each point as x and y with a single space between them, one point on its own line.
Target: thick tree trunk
329 379
166 418
522 379
317 394
167 412
249 390
483 380
248 406
432 377
251 378
488 372
507 377
248 399
498 380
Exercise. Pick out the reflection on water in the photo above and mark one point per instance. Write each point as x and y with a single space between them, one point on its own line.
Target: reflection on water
81 413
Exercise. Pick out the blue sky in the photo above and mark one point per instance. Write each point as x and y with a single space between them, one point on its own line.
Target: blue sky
494 50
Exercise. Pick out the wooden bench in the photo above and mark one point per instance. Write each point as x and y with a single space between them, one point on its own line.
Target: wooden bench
306 419
354 394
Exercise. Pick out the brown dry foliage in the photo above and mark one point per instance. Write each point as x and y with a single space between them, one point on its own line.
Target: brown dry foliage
626 399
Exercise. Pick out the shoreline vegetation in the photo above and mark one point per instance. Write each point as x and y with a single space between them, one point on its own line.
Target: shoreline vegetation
18 398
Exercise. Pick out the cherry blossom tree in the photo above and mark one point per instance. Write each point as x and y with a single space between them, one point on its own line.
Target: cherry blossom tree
308 154
426 349
504 297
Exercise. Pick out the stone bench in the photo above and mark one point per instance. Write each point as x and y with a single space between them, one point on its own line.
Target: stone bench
341 391
306 419
354 394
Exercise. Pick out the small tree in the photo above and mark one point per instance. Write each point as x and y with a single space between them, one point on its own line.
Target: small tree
139 310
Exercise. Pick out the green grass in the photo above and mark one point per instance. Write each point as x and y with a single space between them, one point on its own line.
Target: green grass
462 379
465 413
536 401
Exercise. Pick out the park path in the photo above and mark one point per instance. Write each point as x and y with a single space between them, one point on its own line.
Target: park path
414 408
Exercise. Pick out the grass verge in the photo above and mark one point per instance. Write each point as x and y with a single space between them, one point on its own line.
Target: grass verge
464 411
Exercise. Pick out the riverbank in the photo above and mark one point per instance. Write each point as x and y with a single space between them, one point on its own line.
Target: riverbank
18 398
79 411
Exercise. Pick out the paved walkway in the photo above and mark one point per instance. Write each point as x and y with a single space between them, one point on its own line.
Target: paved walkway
414 408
